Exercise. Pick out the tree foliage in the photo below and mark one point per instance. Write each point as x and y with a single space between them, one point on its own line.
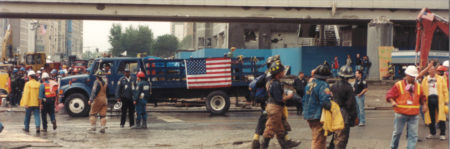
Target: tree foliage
186 43
165 46
87 55
133 40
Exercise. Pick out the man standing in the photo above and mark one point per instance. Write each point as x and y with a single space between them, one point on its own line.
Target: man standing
317 96
358 62
275 106
335 66
299 85
343 95
47 94
124 94
30 100
99 101
366 64
436 91
140 97
406 96
17 85
360 87
348 61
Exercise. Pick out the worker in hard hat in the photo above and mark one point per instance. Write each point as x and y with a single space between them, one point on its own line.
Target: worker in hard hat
98 101
141 95
436 92
406 96
30 100
47 94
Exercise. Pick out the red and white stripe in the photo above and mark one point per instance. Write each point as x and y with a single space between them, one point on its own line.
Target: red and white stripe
218 74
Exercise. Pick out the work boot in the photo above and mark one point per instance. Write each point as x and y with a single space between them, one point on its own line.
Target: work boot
144 124
255 144
38 130
54 125
283 143
102 130
92 128
265 143
26 130
291 143
138 125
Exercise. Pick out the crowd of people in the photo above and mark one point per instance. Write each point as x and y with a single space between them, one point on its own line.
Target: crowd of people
424 92
361 63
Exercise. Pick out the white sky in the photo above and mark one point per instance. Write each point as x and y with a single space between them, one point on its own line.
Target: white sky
95 33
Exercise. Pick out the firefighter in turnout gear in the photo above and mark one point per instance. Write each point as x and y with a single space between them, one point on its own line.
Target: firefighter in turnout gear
98 101
344 96
275 106
124 94
47 94
141 95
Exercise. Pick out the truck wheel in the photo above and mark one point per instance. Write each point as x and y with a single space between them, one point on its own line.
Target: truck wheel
217 102
76 105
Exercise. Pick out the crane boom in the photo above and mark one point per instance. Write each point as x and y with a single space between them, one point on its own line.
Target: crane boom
427 23
7 44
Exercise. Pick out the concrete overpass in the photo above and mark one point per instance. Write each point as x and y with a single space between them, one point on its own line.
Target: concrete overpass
292 11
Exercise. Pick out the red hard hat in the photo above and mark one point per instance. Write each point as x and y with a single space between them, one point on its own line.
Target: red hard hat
140 74
441 68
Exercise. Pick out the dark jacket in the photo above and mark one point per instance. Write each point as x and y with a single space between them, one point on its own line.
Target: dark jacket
17 83
299 86
276 93
143 91
124 89
344 96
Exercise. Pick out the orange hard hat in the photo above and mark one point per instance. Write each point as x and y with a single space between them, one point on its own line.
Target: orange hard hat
442 68
140 74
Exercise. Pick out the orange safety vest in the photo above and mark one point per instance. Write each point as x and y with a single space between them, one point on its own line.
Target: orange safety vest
402 101
50 90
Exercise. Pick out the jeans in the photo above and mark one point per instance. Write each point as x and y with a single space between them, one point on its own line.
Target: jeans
48 108
37 118
433 106
412 122
365 73
335 72
360 108
141 110
358 67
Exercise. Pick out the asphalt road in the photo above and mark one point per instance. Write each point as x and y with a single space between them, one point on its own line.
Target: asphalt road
193 130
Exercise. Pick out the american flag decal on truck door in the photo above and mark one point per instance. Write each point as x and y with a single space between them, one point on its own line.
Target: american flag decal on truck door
208 73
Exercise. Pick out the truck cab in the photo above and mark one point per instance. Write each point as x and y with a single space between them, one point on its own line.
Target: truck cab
75 90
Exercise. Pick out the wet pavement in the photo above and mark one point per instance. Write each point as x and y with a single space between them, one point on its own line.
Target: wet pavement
192 130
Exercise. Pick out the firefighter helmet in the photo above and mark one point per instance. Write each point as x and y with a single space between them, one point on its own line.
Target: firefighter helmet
346 71
276 68
100 73
322 71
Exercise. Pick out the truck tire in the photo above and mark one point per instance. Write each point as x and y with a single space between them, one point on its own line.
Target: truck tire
76 105
217 102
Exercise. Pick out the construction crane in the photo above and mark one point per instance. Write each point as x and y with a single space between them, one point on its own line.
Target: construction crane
427 23
7 45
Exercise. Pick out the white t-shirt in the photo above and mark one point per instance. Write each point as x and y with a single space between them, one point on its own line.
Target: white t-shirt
432 83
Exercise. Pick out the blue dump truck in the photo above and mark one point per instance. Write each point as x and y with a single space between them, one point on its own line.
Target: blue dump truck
210 80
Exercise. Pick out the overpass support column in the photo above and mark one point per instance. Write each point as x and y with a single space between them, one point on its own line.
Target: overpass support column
380 32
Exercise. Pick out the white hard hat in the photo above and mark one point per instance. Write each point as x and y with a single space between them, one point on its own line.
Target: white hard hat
42 68
445 63
39 71
412 71
31 72
45 75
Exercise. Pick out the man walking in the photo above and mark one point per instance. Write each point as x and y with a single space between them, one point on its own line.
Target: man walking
360 87
366 64
141 95
299 85
343 95
124 94
335 67
358 62
99 101
436 91
47 94
30 100
317 96
406 96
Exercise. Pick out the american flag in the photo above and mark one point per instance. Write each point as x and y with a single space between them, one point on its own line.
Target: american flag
208 73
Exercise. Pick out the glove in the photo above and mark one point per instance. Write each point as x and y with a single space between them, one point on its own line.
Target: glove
327 105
